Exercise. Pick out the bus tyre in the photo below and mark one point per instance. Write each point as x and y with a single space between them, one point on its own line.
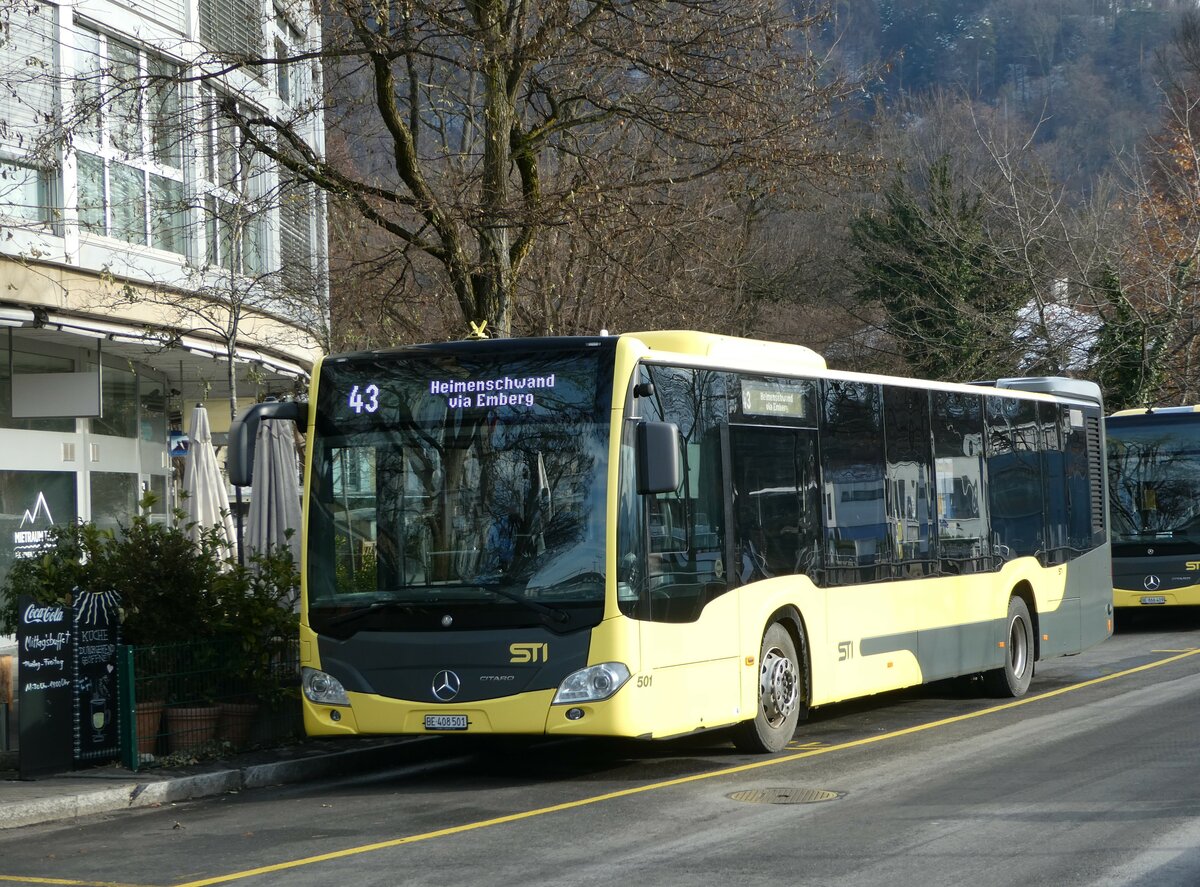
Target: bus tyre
781 696
1014 677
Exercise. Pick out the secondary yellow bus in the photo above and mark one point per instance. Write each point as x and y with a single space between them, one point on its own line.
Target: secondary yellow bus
1154 480
655 534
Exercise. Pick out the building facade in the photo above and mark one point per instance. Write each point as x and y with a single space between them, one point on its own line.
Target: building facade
150 257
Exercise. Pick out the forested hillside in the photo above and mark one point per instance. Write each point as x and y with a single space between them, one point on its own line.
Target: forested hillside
1083 72
953 188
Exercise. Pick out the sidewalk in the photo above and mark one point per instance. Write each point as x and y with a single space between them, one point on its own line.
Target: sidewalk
104 789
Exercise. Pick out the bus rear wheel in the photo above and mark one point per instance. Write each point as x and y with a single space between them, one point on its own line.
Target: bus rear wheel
1013 678
781 696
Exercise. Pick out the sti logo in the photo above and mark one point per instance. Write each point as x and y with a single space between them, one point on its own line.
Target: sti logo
1192 565
529 652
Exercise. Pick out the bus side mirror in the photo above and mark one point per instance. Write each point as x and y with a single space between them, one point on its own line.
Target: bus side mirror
657 457
243 432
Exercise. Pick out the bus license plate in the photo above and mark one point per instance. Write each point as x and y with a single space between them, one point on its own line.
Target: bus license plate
1153 599
445 722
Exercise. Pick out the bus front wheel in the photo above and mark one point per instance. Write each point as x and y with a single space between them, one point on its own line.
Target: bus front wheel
781 696
1013 678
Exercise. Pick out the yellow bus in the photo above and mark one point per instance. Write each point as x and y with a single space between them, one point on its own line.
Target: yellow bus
1154 481
656 534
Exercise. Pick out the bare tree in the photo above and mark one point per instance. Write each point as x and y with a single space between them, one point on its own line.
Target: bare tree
478 132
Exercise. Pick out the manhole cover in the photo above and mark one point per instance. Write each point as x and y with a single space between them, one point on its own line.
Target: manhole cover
785 795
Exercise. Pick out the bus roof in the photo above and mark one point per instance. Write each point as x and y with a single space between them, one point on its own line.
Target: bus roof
1155 411
730 348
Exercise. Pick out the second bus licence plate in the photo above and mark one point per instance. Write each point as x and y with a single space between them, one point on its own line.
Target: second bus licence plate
445 722
1153 599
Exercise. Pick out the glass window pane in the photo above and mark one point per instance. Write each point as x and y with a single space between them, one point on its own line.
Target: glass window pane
909 467
853 460
91 193
958 470
168 214
1014 476
128 192
158 487
124 126
114 498
119 393
166 130
87 85
28 193
152 396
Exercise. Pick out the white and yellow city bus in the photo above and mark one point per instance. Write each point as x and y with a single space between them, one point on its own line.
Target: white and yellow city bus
655 534
1154 495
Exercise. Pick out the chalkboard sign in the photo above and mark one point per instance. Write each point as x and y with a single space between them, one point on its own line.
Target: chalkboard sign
97 634
46 687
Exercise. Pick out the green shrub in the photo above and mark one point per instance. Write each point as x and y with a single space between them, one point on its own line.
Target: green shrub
173 589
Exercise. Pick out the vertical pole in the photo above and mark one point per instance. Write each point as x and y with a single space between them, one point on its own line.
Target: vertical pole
129 737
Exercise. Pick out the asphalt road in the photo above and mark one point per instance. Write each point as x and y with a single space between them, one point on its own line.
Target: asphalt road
1093 778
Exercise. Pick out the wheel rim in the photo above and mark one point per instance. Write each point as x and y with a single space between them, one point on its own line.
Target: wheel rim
779 686
1018 646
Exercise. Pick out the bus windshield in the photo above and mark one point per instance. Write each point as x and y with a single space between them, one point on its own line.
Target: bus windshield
468 489
1154 475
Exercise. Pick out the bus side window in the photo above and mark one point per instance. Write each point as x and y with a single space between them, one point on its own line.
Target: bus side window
958 478
684 563
776 506
909 466
1014 471
856 540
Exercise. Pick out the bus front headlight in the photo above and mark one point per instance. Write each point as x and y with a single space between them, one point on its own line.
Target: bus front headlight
592 684
322 688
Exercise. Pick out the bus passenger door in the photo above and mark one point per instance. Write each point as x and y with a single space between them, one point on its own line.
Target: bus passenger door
690 625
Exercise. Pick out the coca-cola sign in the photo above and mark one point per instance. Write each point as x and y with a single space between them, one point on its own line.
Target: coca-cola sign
35 614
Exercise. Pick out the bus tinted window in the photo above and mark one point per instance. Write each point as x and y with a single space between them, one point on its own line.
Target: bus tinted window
1014 477
776 504
852 460
1054 419
687 527
910 467
958 472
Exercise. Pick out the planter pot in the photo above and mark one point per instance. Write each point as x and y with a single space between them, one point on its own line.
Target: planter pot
192 728
237 722
149 722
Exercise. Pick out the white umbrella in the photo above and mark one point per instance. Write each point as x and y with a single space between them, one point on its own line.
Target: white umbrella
275 494
207 501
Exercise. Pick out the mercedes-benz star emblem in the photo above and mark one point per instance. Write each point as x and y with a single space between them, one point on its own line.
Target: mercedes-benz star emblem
1151 582
446 685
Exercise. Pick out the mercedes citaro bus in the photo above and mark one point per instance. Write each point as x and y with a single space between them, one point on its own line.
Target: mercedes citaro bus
1154 493
654 534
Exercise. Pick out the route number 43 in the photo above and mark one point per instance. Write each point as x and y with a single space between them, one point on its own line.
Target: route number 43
364 399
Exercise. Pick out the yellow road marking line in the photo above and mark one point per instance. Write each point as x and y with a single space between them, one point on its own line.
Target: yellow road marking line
669 783
28 879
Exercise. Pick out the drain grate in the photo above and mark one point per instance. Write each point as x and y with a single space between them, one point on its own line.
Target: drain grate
785 795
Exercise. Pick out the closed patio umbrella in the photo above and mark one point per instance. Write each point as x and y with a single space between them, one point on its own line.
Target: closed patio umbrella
275 493
207 501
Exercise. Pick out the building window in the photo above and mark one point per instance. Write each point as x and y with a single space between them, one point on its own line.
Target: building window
129 146
236 182
29 193
29 184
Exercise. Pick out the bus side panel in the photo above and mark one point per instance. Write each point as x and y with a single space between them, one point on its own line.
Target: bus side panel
956 618
692 670
1089 577
756 605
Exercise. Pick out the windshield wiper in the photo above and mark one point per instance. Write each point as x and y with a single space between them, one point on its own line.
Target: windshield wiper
554 613
360 612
